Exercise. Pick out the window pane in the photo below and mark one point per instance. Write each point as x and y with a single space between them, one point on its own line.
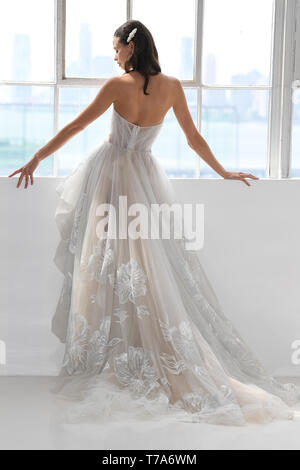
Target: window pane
172 24
27 40
296 136
26 124
89 37
235 125
237 42
171 148
71 102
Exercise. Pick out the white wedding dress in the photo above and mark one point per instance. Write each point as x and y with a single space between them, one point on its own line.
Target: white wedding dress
144 333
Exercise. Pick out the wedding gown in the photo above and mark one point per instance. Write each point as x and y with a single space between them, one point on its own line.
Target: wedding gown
144 333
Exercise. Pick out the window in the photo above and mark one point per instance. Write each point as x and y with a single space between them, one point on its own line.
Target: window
26 69
236 60
228 54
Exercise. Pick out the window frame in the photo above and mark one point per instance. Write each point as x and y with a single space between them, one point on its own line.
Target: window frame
283 64
296 75
283 79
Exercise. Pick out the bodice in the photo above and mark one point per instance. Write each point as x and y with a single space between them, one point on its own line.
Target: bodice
131 136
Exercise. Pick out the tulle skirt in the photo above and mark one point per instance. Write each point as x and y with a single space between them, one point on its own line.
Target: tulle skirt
144 333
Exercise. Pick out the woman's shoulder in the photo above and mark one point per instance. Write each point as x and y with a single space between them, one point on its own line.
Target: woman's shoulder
125 77
167 85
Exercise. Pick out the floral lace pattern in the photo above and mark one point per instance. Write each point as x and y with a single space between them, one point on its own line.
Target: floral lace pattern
86 350
122 315
158 334
90 351
142 311
76 223
182 340
218 323
100 261
171 364
196 402
93 351
136 371
130 282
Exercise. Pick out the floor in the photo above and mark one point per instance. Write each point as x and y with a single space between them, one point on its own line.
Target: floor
29 421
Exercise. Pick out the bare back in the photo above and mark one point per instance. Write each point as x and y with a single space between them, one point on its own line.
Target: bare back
141 109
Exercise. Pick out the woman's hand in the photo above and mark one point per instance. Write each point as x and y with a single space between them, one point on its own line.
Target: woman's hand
239 176
27 171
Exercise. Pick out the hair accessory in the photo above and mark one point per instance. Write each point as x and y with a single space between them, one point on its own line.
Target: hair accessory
131 35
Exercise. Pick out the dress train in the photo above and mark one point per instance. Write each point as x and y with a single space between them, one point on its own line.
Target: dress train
144 333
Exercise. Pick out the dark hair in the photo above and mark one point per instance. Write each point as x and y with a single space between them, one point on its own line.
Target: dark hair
144 58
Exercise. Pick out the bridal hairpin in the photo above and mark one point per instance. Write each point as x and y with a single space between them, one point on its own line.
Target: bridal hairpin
131 35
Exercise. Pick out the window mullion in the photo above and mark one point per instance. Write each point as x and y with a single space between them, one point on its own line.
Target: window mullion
60 25
59 66
287 98
129 10
297 53
275 104
280 117
198 46
197 72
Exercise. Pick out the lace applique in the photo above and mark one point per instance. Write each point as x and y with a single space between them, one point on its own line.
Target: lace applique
121 314
142 311
130 282
100 261
136 371
237 350
181 339
76 223
177 354
171 364
87 350
190 276
205 403
219 322
75 354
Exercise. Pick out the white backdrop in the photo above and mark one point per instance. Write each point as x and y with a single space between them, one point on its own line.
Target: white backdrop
251 255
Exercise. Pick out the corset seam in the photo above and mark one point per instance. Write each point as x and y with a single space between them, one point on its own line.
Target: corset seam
130 148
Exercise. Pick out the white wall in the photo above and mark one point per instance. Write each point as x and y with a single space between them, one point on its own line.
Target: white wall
251 255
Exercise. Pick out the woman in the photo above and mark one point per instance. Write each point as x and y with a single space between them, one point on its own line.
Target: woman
143 329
